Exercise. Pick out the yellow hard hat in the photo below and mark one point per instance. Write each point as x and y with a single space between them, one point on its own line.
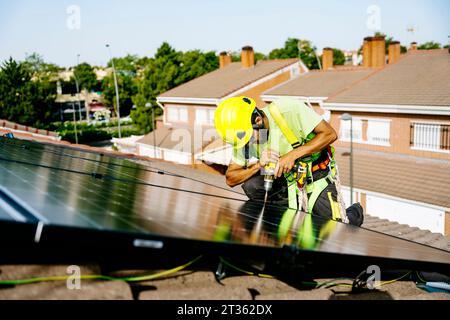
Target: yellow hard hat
233 120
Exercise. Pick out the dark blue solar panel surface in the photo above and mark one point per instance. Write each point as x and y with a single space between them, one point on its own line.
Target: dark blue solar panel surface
67 187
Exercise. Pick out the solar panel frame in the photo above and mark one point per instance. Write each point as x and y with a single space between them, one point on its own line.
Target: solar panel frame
58 241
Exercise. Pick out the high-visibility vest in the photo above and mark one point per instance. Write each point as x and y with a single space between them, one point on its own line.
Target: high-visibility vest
316 187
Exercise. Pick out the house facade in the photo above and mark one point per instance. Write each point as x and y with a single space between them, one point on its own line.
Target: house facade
400 109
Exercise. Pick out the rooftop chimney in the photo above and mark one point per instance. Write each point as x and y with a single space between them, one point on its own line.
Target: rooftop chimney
378 55
367 52
327 58
247 57
413 46
224 59
394 52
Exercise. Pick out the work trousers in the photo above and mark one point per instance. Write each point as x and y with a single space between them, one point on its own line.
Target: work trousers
254 189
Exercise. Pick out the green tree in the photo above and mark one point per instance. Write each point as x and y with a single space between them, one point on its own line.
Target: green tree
159 75
23 100
86 76
40 69
429 45
260 56
291 50
169 68
194 64
128 64
126 84
338 57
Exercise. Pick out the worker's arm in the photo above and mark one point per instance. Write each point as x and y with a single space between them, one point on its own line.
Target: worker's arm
237 174
325 135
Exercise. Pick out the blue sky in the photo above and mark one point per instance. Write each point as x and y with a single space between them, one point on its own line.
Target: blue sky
139 27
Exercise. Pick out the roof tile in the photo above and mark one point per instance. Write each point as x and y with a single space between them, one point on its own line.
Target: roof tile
219 83
419 78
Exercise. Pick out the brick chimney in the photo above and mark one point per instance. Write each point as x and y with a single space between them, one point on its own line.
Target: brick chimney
367 52
224 59
394 52
378 55
413 46
247 57
327 58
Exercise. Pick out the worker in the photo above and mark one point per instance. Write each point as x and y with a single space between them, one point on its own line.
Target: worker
284 132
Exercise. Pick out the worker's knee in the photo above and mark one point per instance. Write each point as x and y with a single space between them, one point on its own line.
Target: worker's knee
254 187
326 202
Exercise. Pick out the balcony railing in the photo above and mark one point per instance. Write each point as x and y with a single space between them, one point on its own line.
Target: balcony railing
429 136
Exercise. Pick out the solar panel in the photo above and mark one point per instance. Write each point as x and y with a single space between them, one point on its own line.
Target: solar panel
86 199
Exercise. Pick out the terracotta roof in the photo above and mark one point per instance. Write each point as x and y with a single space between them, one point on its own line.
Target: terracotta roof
320 83
419 179
30 136
421 77
221 82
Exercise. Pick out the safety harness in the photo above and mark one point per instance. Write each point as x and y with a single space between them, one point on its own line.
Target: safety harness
300 191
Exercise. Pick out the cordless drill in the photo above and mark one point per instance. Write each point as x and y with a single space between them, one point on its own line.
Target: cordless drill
269 175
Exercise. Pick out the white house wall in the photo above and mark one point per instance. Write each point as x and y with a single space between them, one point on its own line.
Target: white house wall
403 211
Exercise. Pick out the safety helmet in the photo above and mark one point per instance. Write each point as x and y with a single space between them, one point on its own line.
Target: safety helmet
233 120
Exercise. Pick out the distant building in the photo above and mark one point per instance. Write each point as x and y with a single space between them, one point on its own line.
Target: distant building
83 103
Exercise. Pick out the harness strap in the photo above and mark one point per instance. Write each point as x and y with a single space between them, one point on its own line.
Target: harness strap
281 123
315 189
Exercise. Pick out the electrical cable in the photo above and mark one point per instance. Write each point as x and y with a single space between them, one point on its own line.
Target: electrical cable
106 177
159 172
101 176
261 275
420 277
100 277
152 169
327 284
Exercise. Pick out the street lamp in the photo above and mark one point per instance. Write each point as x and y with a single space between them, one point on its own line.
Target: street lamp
116 88
78 88
74 123
347 117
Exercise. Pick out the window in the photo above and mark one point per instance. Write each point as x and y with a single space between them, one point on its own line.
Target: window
176 114
378 132
430 136
345 130
204 116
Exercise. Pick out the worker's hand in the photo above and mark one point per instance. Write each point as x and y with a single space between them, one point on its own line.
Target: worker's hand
285 164
268 156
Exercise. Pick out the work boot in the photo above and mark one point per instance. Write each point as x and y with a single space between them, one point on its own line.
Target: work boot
355 214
